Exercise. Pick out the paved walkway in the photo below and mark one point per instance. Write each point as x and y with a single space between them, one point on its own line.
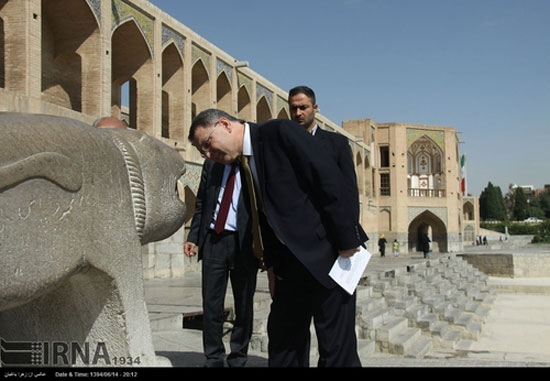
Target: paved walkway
517 332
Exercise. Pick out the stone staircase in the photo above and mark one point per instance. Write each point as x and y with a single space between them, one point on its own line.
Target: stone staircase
439 304
415 311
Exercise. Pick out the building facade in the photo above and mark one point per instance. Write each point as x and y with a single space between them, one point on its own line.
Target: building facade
85 59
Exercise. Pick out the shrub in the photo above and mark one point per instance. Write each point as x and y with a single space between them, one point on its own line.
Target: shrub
543 233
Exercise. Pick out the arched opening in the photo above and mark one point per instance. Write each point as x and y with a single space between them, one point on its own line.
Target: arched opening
283 114
384 221
426 172
132 62
200 89
360 173
368 177
428 224
223 94
2 52
14 41
244 105
71 55
173 98
468 209
263 111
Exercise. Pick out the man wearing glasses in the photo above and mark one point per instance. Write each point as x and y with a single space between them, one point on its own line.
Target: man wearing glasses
220 229
307 220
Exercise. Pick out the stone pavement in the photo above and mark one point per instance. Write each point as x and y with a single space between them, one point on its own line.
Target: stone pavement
516 333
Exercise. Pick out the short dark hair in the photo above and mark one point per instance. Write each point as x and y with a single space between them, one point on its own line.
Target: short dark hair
303 90
208 118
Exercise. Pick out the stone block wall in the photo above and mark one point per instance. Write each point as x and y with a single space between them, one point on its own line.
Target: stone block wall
520 265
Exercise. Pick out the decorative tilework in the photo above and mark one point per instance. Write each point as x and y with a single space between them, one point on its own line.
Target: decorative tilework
414 134
169 35
245 81
192 176
282 104
122 12
199 54
96 8
222 66
263 91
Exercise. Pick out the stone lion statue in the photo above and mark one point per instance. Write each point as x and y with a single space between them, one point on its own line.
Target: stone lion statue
76 205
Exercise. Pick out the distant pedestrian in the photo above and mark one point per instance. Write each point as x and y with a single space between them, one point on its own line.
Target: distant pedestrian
382 245
425 244
395 247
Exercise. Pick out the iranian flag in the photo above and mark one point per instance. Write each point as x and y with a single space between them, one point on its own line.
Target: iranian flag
463 175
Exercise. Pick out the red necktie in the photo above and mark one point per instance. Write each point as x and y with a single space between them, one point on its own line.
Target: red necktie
226 201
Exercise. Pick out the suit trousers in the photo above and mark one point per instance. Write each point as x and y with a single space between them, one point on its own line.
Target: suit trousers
220 263
299 298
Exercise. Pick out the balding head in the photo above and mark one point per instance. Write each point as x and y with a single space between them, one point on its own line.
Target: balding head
109 122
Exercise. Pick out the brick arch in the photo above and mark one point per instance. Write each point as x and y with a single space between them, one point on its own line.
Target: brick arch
224 93
200 88
468 209
360 173
384 220
244 104
132 62
173 98
283 114
428 223
263 110
71 55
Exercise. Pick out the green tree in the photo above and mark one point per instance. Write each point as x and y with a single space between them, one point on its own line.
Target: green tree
491 203
521 206
543 200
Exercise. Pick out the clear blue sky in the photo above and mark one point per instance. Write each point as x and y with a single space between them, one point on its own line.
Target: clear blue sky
480 66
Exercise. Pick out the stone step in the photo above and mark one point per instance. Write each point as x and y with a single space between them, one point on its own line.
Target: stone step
391 329
419 348
452 315
363 292
473 330
459 300
433 300
439 329
403 342
415 312
427 322
406 302
443 308
365 347
370 304
166 321
258 342
395 294
450 339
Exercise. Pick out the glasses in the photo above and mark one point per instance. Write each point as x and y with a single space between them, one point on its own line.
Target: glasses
205 146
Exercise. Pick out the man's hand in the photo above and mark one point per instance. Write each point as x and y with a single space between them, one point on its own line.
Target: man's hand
189 248
348 253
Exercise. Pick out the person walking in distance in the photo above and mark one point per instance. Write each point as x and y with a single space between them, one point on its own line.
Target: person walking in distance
382 245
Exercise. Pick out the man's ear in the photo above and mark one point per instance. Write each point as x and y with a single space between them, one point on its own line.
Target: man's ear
226 124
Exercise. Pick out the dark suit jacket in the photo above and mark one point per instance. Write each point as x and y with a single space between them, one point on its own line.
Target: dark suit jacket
205 206
338 147
306 205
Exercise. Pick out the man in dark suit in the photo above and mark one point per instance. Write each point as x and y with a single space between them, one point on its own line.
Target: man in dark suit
303 108
307 219
225 248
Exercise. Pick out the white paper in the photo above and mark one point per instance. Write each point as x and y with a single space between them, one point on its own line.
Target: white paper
348 271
